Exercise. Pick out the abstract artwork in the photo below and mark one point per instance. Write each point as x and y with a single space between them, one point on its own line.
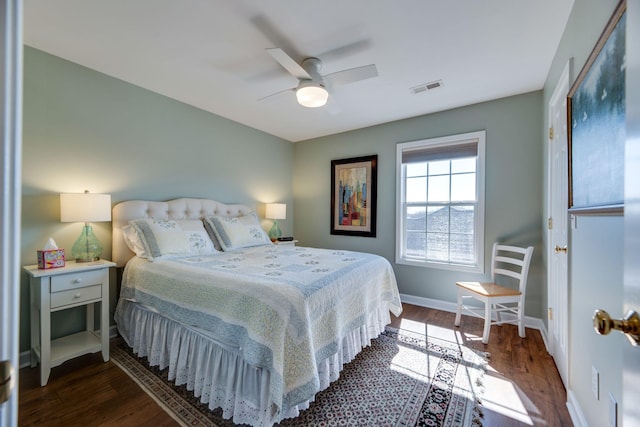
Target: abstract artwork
596 109
353 196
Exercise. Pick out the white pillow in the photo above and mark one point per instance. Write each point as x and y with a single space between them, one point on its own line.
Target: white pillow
162 239
237 232
198 238
133 241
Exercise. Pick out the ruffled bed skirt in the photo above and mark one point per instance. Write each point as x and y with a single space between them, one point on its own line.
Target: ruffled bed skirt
216 372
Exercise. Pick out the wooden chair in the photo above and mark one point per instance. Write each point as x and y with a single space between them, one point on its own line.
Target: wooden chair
511 261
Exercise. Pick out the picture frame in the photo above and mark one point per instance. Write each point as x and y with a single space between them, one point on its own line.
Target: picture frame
354 183
596 131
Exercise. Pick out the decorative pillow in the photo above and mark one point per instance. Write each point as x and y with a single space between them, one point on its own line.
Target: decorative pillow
197 236
133 241
212 234
237 232
161 238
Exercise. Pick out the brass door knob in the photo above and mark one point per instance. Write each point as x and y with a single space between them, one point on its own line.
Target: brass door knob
559 249
630 325
7 380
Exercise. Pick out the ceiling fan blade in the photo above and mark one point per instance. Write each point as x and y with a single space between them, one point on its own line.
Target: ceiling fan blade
293 89
352 75
272 33
288 63
332 106
344 51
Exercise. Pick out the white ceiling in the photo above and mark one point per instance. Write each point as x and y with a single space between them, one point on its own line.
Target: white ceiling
211 53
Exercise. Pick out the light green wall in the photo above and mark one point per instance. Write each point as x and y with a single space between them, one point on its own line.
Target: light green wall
513 188
595 246
85 130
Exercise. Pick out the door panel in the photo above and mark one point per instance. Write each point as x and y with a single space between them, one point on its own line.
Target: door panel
631 370
10 185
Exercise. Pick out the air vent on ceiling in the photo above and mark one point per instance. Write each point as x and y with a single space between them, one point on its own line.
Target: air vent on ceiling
426 87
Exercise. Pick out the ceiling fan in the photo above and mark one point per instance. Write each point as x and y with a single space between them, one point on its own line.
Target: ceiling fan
313 88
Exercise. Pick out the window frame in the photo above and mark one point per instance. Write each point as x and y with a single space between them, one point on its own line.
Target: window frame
445 141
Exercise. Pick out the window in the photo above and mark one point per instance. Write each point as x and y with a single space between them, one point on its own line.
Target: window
440 202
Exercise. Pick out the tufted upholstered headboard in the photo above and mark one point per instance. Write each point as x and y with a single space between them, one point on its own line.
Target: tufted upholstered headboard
172 209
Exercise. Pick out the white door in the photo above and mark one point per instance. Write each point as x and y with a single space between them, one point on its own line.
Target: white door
10 185
558 225
631 371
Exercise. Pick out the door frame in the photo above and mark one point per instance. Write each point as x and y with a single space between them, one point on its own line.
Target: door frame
561 90
11 185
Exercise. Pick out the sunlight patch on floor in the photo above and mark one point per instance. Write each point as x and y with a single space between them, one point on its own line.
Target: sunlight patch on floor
415 364
467 337
413 326
502 397
432 331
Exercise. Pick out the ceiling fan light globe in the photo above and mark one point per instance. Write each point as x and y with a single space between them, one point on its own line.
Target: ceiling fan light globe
312 96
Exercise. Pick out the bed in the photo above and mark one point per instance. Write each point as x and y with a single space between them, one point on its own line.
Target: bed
250 327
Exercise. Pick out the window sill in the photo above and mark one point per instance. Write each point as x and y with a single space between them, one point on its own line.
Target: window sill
440 265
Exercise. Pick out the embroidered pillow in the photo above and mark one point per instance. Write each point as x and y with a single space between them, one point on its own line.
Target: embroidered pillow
237 232
161 238
198 238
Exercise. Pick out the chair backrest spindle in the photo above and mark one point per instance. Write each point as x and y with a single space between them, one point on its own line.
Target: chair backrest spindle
503 256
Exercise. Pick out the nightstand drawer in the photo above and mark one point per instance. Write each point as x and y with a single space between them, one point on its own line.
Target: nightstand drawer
75 296
65 282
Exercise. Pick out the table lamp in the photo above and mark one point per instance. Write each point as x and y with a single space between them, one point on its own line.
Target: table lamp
275 211
85 207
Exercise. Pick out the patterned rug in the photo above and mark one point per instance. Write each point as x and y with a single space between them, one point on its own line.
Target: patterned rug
402 379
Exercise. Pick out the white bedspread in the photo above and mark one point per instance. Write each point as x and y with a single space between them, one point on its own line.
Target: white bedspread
282 308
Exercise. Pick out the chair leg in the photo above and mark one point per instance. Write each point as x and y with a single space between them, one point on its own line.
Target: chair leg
521 331
459 311
487 322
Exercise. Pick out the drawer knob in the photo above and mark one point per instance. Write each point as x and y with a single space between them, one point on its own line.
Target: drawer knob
77 280
78 295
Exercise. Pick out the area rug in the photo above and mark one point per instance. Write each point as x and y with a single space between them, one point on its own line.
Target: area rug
401 379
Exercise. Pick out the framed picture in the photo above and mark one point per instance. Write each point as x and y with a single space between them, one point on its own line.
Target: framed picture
596 113
353 196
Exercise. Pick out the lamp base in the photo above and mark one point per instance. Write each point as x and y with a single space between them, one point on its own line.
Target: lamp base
87 248
275 233
80 260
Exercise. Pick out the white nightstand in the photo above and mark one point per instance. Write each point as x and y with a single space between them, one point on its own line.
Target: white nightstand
286 243
74 285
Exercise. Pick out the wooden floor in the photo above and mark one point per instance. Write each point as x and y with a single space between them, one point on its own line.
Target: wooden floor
522 385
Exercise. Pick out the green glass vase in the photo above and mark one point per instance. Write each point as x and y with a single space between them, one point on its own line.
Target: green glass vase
87 248
275 233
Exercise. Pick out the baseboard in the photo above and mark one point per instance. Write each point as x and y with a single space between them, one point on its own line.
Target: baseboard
575 412
25 356
530 322
429 303
543 333
25 359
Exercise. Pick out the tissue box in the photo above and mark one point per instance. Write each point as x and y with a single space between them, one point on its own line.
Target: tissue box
53 258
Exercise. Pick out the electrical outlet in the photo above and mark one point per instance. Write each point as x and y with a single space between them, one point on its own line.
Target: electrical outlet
613 411
595 382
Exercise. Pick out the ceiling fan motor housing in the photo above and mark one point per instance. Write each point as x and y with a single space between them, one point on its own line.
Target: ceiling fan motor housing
313 67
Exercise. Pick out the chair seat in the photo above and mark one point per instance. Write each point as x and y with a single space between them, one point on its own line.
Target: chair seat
488 289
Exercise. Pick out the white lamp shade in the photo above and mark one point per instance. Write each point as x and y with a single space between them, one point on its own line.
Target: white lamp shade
85 207
276 211
312 96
